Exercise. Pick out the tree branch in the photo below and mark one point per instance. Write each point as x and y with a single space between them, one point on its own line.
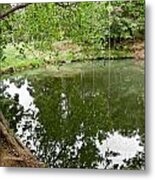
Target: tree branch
10 11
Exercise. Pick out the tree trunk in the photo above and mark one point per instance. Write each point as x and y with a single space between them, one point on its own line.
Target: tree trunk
12 152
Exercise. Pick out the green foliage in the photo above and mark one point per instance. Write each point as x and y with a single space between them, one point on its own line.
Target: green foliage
92 25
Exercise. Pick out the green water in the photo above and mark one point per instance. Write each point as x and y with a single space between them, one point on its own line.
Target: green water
80 116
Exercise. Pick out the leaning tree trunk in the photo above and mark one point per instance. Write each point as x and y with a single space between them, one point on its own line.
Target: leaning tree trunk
12 151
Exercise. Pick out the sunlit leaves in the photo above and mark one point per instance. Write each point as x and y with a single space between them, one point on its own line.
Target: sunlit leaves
91 24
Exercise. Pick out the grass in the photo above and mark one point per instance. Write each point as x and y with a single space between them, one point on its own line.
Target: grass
13 59
20 63
60 52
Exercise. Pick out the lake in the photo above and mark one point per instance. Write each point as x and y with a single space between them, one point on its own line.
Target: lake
80 115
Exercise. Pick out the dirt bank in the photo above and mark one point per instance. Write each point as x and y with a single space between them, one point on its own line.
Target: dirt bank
12 151
138 50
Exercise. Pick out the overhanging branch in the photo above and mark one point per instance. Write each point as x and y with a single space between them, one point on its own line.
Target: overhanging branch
10 11
24 5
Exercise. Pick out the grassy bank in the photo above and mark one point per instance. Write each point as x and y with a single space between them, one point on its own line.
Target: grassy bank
18 59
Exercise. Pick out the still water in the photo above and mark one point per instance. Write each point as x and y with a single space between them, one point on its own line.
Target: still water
90 119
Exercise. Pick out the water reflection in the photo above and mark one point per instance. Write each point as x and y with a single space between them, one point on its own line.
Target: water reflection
64 121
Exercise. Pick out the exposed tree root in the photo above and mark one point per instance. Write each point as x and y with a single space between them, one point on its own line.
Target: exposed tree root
12 151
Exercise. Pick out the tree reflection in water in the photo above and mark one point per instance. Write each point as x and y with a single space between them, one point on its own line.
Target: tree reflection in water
65 122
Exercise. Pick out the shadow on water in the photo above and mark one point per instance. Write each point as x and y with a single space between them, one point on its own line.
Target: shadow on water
80 121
